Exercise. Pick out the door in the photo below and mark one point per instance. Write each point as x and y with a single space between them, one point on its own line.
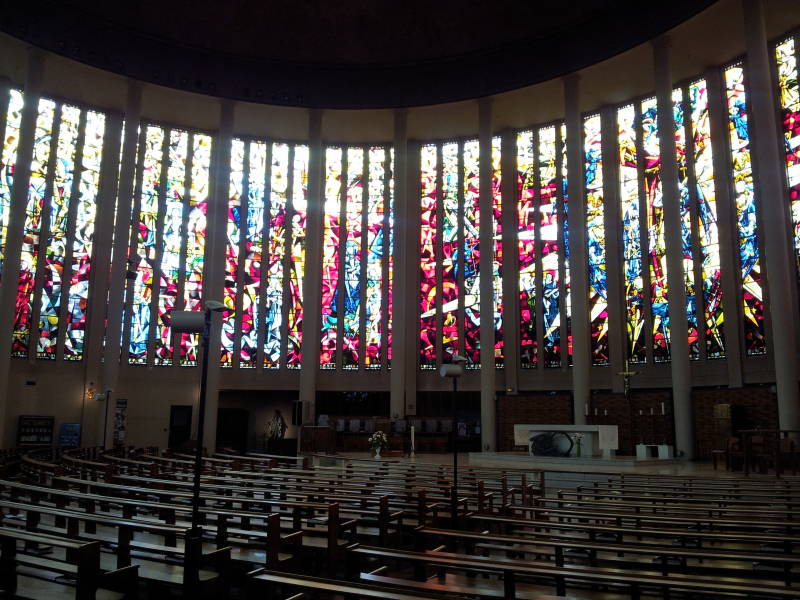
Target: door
180 425
232 428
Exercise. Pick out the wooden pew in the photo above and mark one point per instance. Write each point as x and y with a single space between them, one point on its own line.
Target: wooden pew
633 584
82 564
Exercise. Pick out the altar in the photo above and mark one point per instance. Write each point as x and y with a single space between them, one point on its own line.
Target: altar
598 440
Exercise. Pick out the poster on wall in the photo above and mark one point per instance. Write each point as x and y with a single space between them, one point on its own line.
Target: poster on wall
120 421
69 435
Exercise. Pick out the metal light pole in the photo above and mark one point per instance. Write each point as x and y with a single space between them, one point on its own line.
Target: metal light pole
454 370
194 322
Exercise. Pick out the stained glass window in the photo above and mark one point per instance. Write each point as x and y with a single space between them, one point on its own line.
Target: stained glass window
471 256
749 260
449 195
354 246
526 246
631 232
168 242
298 168
786 55
550 248
708 234
428 243
596 240
497 262
331 257
55 243
38 193
232 243
8 163
83 237
276 236
687 245
565 228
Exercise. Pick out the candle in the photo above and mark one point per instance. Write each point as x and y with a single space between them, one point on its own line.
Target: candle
595 412
586 409
412 438
605 412
640 412
662 409
651 410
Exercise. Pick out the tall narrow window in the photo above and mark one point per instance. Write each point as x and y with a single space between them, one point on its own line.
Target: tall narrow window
526 247
38 194
550 246
786 54
353 255
596 240
331 256
298 166
269 249
13 116
167 243
631 233
497 262
428 243
687 245
708 238
450 255
471 253
376 249
749 253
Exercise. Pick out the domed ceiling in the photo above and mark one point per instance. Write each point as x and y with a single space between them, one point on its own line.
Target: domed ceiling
351 54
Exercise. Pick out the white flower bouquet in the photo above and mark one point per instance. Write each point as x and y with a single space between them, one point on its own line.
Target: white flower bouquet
378 441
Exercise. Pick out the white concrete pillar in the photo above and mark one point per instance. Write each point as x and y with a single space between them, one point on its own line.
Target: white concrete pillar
409 222
101 293
113 353
16 223
767 166
615 286
402 310
679 343
312 278
510 266
578 257
214 273
727 225
486 241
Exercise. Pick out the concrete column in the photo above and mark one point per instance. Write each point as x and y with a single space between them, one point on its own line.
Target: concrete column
679 344
617 344
410 225
100 294
401 308
487 334
119 255
312 277
727 225
578 257
768 165
510 266
16 223
214 274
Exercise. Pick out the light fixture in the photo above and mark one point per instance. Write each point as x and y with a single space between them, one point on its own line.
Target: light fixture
186 321
453 370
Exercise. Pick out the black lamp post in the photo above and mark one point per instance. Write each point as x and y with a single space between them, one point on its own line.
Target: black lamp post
185 321
454 370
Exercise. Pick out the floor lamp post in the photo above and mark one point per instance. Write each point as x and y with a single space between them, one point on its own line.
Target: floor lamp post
185 321
454 370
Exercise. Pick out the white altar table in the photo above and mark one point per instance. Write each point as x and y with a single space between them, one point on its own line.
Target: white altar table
598 440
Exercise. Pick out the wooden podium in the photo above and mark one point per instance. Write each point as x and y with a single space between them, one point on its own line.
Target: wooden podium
315 439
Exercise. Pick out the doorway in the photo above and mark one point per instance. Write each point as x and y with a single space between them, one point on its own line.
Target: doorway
233 428
180 425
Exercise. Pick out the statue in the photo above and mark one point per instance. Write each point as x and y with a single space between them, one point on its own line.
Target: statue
276 428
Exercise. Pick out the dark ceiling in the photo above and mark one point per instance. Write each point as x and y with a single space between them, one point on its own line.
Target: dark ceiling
346 54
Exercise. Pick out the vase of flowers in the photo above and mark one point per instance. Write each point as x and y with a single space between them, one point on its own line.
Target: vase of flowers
578 439
377 442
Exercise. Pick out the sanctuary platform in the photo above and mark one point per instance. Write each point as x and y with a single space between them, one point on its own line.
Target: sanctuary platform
519 460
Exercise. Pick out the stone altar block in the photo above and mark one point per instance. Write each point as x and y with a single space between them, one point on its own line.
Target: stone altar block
598 440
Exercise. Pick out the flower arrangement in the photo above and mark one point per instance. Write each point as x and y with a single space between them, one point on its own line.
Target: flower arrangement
578 438
378 441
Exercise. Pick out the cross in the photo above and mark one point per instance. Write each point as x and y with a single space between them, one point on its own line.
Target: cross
626 377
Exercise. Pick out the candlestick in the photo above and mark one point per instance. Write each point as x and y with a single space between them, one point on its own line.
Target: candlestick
605 412
586 409
640 412
651 410
595 412
662 409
